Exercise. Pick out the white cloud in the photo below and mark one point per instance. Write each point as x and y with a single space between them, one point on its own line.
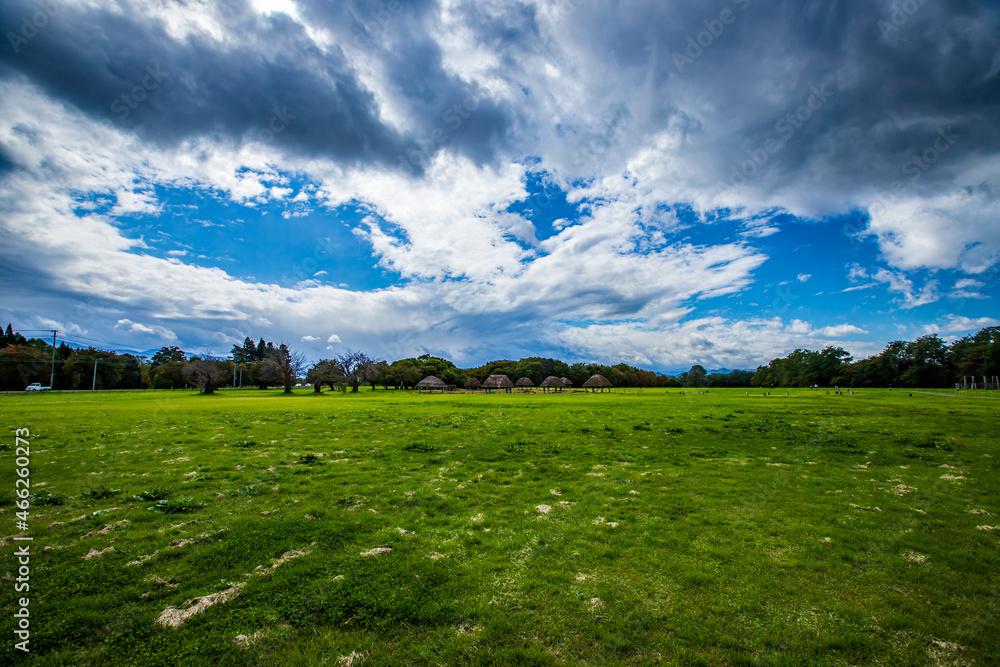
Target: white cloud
855 288
902 285
960 324
619 135
856 272
799 327
840 330
129 325
942 231
967 288
802 277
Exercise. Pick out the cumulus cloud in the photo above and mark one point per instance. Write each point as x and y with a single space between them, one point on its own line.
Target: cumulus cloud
434 121
910 297
840 331
957 324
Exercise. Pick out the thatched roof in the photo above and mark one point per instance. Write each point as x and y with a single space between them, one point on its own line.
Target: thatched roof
431 382
597 380
567 382
524 382
472 383
497 382
552 381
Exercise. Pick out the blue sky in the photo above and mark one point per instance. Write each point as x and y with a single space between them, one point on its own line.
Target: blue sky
585 179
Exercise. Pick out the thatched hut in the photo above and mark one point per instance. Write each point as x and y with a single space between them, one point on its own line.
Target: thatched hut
597 381
552 382
524 383
472 383
430 382
498 382
567 382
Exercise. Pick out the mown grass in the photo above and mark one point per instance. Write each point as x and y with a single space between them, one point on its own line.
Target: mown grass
697 529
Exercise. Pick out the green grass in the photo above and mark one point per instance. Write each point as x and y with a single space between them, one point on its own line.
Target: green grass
698 529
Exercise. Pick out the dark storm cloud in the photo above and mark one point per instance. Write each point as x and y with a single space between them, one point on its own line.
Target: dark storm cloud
272 85
447 111
846 93
858 87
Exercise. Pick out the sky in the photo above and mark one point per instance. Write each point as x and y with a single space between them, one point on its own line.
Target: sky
649 182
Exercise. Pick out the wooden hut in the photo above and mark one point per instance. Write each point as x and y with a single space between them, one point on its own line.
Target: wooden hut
430 382
497 382
552 382
472 384
524 383
597 381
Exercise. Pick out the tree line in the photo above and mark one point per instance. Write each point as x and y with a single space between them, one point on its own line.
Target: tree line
926 362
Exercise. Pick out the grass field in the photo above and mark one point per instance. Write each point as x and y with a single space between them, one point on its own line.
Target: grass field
389 528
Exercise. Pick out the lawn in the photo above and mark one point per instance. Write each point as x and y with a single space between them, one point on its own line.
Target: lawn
392 528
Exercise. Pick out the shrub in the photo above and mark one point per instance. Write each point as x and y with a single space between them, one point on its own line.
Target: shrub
100 493
45 497
159 493
177 506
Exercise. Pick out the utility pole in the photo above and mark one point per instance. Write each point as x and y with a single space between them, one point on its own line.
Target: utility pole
93 387
52 376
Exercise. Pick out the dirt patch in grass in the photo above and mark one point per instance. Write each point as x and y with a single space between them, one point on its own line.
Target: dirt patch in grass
946 653
94 553
377 551
174 617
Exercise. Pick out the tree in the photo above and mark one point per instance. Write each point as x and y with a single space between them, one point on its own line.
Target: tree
10 337
282 366
93 368
325 371
20 365
167 354
695 377
204 374
358 368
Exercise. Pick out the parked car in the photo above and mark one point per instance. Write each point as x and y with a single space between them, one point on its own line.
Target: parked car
36 386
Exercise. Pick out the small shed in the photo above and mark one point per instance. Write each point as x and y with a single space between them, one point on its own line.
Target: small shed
597 381
472 383
524 383
430 382
553 383
498 382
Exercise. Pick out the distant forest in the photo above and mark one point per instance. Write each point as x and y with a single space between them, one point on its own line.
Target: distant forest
925 362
